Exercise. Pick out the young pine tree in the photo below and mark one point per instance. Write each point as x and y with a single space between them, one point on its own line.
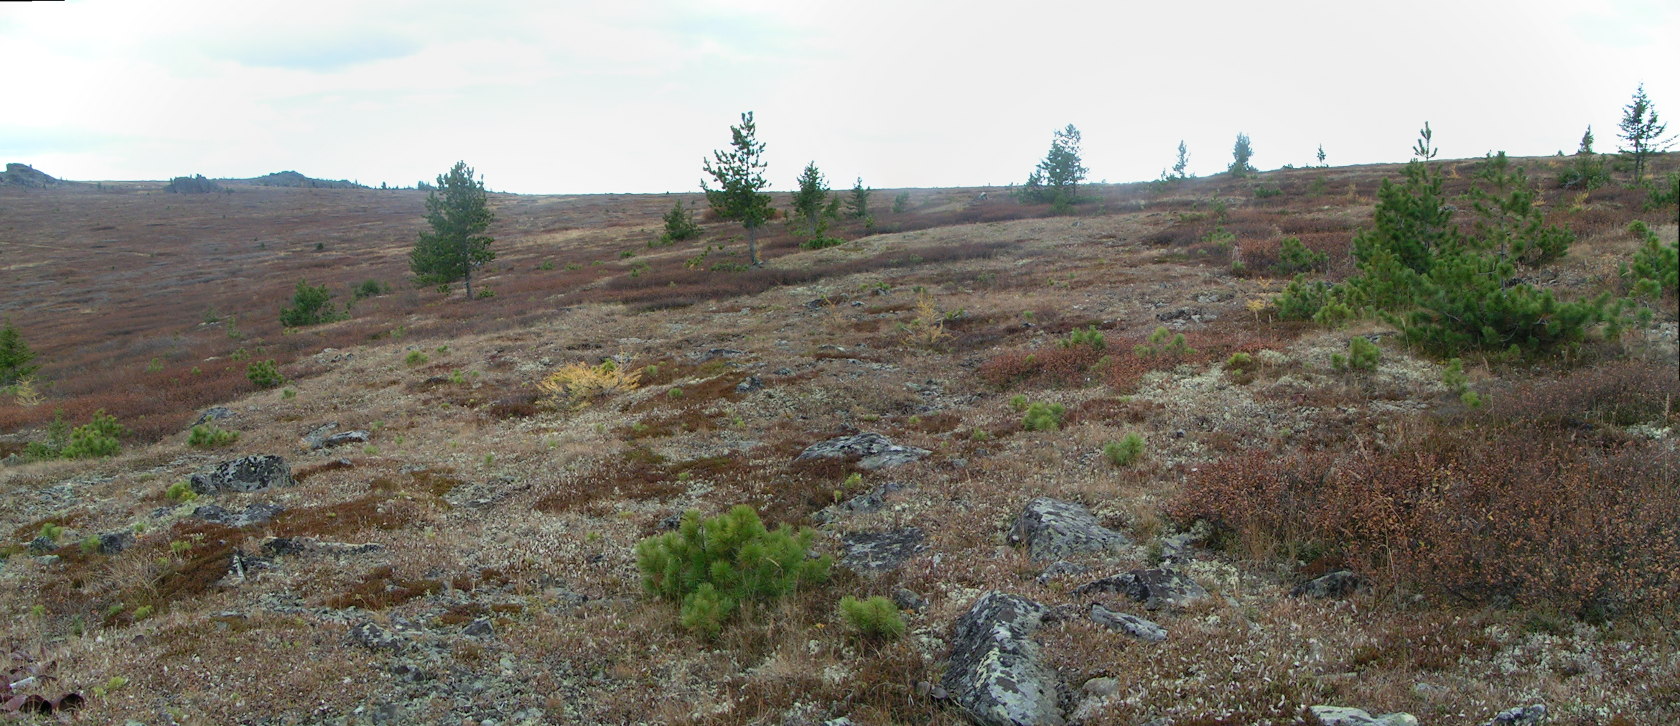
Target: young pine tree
857 205
1642 131
458 211
1241 152
813 208
739 176
679 225
15 356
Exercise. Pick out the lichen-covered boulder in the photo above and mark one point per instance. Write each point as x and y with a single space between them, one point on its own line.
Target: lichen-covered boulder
1344 716
995 673
1335 584
871 552
872 451
245 474
1053 529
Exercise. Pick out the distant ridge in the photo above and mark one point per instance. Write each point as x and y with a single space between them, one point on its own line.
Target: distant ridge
294 179
24 175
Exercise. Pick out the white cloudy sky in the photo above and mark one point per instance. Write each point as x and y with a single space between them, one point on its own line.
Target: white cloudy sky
574 96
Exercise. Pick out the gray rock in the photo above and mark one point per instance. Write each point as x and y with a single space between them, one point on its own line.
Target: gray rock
749 384
214 413
1053 529
245 474
1344 716
1101 687
1060 569
370 635
873 451
907 599
995 673
1155 588
312 441
258 513
1520 716
870 501
481 627
1336 584
869 552
114 542
1129 624
42 544
344 437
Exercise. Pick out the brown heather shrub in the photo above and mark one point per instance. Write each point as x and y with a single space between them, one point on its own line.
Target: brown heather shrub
1045 366
1495 518
1617 393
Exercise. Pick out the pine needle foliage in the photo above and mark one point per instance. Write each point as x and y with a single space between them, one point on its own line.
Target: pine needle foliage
713 565
739 176
873 617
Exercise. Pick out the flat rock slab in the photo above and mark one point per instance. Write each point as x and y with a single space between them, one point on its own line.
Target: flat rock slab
1344 716
258 513
1519 716
870 501
1336 584
881 551
1053 529
872 451
995 673
1129 624
214 413
245 474
1155 588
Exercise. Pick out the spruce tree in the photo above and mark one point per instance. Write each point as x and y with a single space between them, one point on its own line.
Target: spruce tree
1642 131
739 175
1056 178
679 225
15 356
1241 152
814 209
857 205
458 211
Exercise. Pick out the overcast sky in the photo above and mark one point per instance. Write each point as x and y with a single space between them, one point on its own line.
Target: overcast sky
562 96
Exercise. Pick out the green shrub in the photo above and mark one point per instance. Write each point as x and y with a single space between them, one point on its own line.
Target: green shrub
1267 192
415 358
1362 355
97 438
180 492
1454 378
1664 194
209 435
1018 402
369 288
874 617
679 225
1125 451
58 436
1088 337
264 374
713 565
901 203
51 532
15 356
90 544
1164 343
310 306
1043 417
1656 267
1294 257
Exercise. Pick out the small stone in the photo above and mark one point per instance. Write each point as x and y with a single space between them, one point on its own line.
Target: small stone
749 384
1336 584
214 413
482 627
245 474
872 451
1100 687
114 542
42 544
1520 716
907 599
1129 624
344 437
1344 716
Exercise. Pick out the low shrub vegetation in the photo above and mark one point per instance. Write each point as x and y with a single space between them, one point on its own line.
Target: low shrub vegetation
875 617
711 566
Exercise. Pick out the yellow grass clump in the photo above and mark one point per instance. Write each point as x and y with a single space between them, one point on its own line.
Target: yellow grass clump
577 385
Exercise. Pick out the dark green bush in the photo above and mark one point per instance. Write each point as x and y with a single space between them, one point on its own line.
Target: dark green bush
264 374
1655 272
1294 257
1125 451
209 435
1088 337
679 225
1043 417
311 305
369 288
713 565
97 438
